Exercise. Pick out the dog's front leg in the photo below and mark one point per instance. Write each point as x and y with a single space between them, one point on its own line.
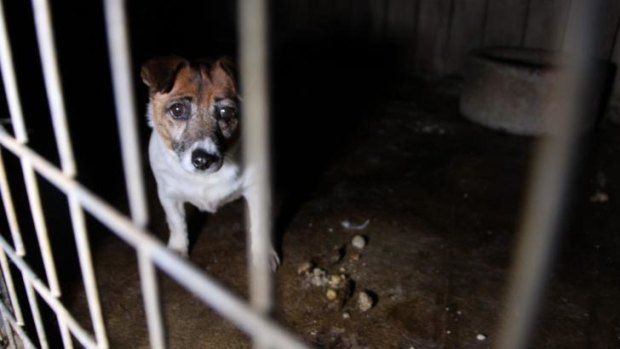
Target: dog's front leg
175 215
255 234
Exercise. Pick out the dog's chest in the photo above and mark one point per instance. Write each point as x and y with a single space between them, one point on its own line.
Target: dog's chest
207 192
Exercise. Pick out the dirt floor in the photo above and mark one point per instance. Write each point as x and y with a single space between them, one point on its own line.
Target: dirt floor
436 200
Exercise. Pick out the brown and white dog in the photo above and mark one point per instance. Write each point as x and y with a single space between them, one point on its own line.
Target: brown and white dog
193 150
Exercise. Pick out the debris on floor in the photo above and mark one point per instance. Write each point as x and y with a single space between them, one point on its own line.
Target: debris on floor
351 226
338 287
358 242
429 247
365 301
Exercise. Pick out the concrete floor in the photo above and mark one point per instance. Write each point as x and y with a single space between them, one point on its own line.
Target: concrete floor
442 198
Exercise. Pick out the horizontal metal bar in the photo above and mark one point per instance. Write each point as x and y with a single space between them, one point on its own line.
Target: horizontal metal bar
224 302
176 267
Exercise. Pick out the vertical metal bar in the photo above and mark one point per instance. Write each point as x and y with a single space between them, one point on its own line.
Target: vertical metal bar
88 273
34 200
29 177
553 170
6 287
10 83
152 305
65 335
118 43
36 314
31 186
254 57
9 208
53 87
6 271
15 109
565 25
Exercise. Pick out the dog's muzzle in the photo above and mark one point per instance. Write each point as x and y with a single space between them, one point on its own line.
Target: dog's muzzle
201 160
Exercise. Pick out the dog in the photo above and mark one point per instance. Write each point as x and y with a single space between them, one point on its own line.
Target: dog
194 113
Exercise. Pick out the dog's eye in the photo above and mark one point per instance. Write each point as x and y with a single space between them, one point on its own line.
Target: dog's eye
179 111
226 112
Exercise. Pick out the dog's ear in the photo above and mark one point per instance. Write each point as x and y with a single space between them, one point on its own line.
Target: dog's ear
224 69
159 73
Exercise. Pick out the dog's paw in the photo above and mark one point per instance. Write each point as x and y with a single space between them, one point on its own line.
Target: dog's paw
180 250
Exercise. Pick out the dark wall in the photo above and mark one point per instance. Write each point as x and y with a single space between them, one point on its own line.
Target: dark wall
438 34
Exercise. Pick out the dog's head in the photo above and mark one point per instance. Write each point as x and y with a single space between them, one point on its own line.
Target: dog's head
194 107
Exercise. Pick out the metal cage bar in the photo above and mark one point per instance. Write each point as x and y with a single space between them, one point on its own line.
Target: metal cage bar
554 166
152 305
118 44
34 201
9 209
29 176
36 314
254 62
67 341
15 108
10 284
12 325
17 120
53 87
33 283
43 24
88 273
176 267
10 83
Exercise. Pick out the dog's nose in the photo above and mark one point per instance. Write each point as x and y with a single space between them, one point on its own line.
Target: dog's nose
202 160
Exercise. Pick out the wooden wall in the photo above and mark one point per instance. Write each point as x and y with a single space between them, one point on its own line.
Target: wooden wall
438 34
